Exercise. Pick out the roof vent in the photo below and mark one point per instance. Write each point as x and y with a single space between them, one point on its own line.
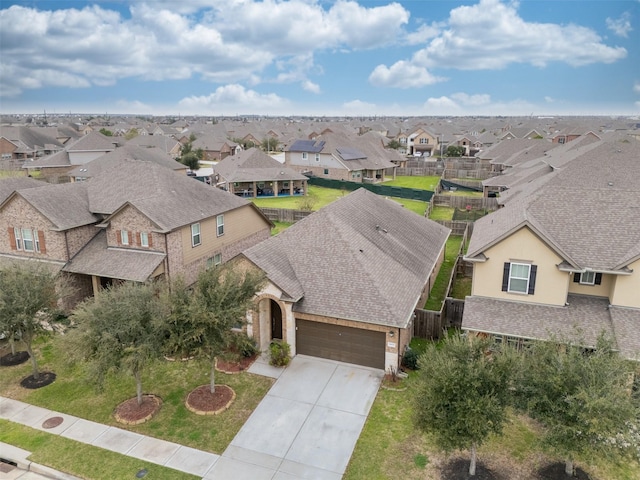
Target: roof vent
611 184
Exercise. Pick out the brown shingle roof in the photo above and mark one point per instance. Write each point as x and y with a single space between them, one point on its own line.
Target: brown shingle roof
255 165
11 184
362 258
168 199
96 258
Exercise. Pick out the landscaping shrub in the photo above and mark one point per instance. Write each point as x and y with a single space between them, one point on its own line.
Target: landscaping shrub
279 354
244 345
410 359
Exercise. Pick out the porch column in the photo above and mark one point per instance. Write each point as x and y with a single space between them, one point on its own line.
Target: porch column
95 283
254 190
275 188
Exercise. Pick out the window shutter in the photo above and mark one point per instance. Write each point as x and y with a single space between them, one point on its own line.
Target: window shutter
138 242
119 237
149 236
576 277
532 279
43 248
12 239
598 279
505 276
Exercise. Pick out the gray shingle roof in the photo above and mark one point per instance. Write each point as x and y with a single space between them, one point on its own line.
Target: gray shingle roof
578 208
96 258
254 165
625 326
11 184
66 205
363 258
94 141
169 199
584 318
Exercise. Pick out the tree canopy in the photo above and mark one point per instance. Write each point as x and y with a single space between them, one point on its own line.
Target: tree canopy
581 396
120 329
28 300
462 393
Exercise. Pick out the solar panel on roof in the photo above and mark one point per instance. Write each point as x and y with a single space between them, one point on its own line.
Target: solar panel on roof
348 153
307 146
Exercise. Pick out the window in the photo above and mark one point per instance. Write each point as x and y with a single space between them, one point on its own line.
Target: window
403 140
124 237
588 278
304 155
214 261
326 171
424 141
195 235
144 239
220 223
317 157
27 240
519 278
18 237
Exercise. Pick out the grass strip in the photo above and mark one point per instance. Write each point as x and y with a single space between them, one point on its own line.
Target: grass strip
439 289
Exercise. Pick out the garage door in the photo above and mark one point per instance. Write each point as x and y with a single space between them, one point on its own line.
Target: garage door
344 344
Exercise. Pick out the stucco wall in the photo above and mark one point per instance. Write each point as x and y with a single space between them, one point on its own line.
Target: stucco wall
522 246
626 291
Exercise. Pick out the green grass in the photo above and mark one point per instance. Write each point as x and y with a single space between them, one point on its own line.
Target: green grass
321 197
279 226
390 447
12 173
79 459
73 394
461 287
418 182
439 289
463 193
442 213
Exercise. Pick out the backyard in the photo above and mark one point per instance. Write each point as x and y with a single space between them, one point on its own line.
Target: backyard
439 289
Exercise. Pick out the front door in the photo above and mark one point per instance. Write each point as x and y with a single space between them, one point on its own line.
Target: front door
276 321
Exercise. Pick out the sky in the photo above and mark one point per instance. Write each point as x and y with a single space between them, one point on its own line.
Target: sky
321 58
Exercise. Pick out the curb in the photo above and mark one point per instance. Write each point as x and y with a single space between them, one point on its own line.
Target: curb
17 455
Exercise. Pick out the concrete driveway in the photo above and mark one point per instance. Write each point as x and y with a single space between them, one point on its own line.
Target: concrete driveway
306 426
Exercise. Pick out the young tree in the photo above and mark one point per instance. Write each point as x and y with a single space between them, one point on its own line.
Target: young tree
120 329
269 144
220 299
455 151
190 160
581 397
28 300
462 394
106 132
394 144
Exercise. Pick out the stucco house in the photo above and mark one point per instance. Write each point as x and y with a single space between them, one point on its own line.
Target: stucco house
344 282
339 157
135 221
564 260
253 173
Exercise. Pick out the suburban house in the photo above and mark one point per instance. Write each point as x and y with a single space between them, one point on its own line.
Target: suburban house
214 147
338 157
136 221
422 143
563 259
164 143
87 148
21 143
344 282
253 173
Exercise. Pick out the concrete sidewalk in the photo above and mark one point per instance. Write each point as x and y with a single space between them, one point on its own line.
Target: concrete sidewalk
306 427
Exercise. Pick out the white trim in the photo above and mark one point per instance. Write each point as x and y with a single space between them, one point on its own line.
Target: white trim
512 277
194 235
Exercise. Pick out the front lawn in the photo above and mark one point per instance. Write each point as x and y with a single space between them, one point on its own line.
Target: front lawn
73 394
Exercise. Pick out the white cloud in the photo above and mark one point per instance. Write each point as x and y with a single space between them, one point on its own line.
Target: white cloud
134 106
620 26
224 41
441 105
636 87
422 34
491 35
402 74
309 86
358 107
234 99
549 99
472 100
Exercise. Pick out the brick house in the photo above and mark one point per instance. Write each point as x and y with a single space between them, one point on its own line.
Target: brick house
136 221
344 282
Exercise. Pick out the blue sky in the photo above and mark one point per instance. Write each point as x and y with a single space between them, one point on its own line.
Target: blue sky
309 57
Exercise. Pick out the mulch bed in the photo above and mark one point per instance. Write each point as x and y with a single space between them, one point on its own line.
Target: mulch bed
9 360
130 413
458 469
202 402
234 366
555 471
44 379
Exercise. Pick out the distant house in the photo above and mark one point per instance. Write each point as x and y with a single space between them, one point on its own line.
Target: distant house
135 221
344 282
563 258
253 173
339 157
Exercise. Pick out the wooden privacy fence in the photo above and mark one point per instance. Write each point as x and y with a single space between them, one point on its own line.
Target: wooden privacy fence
431 324
476 203
458 227
284 215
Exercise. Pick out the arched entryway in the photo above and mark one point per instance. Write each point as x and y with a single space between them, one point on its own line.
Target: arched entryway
271 322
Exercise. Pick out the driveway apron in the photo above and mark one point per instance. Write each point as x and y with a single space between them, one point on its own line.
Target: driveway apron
306 426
